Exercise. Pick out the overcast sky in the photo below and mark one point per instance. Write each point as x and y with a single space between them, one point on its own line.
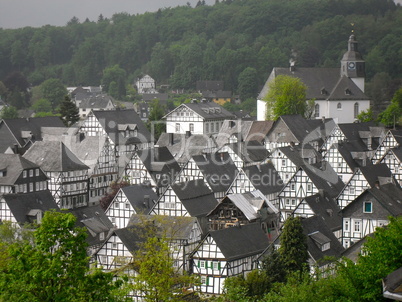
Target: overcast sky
36 13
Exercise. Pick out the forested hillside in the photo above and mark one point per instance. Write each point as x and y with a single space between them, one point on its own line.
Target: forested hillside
178 46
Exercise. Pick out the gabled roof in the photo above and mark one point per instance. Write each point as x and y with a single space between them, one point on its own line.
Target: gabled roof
240 242
13 164
264 178
22 204
195 196
298 154
346 89
162 97
325 207
207 110
110 119
239 128
53 156
318 233
218 170
322 83
392 285
377 172
388 195
24 129
136 195
250 151
297 125
97 101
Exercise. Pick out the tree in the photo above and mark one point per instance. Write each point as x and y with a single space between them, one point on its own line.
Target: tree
69 112
365 115
9 112
286 95
274 267
157 279
42 105
54 267
293 248
155 116
115 75
114 188
54 91
391 115
248 83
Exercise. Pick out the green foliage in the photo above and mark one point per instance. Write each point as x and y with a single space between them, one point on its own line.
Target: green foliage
155 123
69 112
248 83
9 112
53 91
54 267
114 188
366 116
392 114
274 267
286 95
42 105
115 75
293 246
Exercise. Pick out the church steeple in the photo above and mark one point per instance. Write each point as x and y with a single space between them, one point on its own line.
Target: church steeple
352 63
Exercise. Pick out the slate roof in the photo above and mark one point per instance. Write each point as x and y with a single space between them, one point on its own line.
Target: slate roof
53 156
317 79
264 178
325 207
22 204
388 195
218 170
98 101
136 196
299 127
250 151
298 154
324 178
392 285
13 164
259 130
239 128
94 219
354 132
25 129
317 233
162 97
374 173
110 119
240 242
207 110
196 197
346 149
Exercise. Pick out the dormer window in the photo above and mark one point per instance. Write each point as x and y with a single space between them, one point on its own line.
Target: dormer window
323 91
367 207
3 173
322 241
348 91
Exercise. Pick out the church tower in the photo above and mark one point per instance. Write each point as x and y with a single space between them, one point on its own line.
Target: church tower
353 65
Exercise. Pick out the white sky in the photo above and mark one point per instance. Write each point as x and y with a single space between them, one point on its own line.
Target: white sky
36 13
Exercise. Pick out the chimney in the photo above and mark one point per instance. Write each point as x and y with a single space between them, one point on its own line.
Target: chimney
171 138
147 202
321 192
377 184
156 152
188 134
16 149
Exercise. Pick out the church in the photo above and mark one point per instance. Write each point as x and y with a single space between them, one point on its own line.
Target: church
338 93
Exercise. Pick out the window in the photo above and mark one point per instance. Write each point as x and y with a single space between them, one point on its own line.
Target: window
31 186
192 127
287 201
216 265
283 162
292 187
367 207
24 174
308 187
339 106
212 127
177 127
351 190
170 205
206 127
317 110
37 172
116 205
102 236
204 280
127 205
31 172
293 202
217 126
346 226
325 246
357 226
356 110
202 264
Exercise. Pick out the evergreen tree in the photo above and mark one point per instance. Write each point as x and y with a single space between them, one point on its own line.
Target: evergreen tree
293 249
69 112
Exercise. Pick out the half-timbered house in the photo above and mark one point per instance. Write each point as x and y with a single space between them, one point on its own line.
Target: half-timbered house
324 206
392 139
363 178
307 181
287 160
123 128
155 166
27 207
135 199
18 134
198 118
227 252
393 160
19 175
370 210
96 223
68 176
322 245
246 153
259 177
240 209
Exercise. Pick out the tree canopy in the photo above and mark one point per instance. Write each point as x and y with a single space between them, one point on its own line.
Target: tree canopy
69 112
286 95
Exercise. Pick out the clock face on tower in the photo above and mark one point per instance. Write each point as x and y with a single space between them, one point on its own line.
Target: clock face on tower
351 65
